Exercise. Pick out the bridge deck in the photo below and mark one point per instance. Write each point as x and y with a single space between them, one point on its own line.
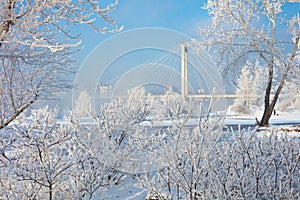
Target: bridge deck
206 96
202 96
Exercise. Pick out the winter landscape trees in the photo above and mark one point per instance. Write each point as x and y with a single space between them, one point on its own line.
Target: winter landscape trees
36 46
250 87
42 158
170 147
249 30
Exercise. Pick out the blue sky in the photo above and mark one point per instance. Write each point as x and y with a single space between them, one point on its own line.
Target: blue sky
185 16
181 15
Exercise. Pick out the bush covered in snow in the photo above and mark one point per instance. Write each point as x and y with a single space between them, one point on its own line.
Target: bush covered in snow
74 160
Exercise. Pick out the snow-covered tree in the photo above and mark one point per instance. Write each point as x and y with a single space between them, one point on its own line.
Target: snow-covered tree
209 163
36 43
114 143
121 118
45 159
245 91
100 161
250 167
259 84
27 75
38 23
250 85
174 107
289 99
83 105
245 30
41 161
179 154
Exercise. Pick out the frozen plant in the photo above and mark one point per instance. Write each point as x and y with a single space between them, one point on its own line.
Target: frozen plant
180 154
244 103
41 160
210 163
246 31
36 44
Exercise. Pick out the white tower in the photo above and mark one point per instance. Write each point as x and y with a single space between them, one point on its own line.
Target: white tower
184 69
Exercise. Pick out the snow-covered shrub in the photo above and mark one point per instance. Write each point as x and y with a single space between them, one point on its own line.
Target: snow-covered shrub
244 104
71 160
43 117
208 163
289 99
249 167
174 107
83 105
239 107
180 155
296 103
234 166
154 196
251 89
99 161
41 162
57 161
121 118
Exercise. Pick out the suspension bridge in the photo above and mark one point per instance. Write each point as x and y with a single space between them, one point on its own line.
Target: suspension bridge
193 76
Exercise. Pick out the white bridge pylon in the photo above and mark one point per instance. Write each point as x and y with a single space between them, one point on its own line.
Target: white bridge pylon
184 79
184 70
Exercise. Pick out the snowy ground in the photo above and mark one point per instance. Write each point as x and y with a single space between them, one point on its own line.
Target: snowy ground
126 190
281 118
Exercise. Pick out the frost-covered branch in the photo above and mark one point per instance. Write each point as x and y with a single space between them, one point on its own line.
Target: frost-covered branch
41 24
244 31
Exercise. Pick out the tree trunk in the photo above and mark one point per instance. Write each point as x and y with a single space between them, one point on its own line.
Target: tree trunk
265 118
8 22
267 111
50 192
270 107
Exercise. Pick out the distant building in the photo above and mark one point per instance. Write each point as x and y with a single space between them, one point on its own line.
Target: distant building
105 89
